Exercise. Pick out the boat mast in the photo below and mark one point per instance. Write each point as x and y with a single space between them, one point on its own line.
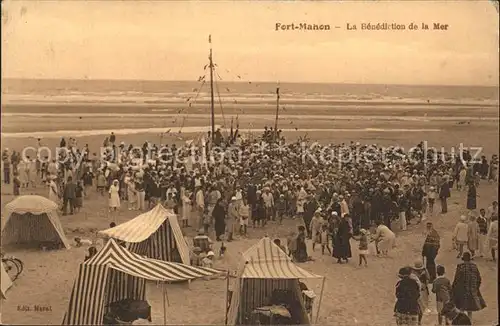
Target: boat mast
212 111
277 112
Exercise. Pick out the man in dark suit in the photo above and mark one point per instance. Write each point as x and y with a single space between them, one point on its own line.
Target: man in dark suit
69 195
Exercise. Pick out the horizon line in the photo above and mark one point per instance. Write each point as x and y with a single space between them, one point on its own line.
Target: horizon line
245 82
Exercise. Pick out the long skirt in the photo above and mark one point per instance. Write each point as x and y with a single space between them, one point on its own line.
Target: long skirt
386 244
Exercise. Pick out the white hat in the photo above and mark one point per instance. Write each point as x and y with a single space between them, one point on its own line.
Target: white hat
335 213
318 210
233 198
210 254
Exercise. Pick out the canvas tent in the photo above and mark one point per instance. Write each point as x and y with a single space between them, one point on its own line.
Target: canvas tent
155 234
32 220
264 269
6 281
115 273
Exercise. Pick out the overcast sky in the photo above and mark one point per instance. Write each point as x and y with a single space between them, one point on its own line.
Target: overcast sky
169 41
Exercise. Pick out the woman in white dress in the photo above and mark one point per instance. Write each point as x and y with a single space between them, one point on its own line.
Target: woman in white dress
186 207
53 190
384 238
23 177
114 196
301 200
131 193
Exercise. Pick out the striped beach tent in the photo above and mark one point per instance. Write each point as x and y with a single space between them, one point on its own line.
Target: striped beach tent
33 220
6 281
264 269
155 234
114 274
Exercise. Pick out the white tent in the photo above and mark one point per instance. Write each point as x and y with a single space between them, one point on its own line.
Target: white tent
264 269
32 220
155 234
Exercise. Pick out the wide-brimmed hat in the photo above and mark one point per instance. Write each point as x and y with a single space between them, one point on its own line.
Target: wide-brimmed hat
363 231
418 265
233 198
210 254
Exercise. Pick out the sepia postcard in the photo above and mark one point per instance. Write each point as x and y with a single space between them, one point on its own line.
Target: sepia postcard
249 162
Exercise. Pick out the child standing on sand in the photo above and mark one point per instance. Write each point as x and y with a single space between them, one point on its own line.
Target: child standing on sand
325 239
431 199
363 247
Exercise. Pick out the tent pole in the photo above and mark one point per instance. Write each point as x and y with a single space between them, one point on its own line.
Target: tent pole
320 298
227 296
164 305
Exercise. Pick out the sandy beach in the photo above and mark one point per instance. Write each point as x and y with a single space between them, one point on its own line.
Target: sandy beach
352 295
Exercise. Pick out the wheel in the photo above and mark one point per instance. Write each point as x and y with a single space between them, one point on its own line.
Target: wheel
19 264
11 268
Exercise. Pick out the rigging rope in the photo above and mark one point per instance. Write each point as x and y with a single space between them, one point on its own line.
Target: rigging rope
220 103
194 101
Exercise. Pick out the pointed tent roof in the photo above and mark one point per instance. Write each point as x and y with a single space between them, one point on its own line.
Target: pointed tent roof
14 229
266 260
119 258
36 205
141 227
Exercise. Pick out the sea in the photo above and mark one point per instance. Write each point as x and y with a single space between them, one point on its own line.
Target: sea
31 100
40 91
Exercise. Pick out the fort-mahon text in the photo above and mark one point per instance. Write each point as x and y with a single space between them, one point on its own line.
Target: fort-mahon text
302 27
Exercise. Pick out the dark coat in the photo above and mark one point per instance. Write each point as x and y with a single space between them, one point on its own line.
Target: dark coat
219 215
444 191
341 245
471 198
407 294
466 293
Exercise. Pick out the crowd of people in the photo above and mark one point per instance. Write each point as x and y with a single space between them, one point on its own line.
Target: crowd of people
337 191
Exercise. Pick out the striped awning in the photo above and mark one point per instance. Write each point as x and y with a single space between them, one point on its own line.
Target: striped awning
141 227
119 258
267 260
36 205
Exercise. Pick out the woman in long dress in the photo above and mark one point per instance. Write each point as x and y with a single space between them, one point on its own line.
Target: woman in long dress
114 196
341 245
473 235
385 239
186 207
23 177
471 197
219 215
301 200
53 190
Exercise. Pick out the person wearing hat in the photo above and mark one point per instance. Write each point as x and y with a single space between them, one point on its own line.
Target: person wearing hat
341 245
461 235
233 216
207 261
114 196
444 194
466 287
431 199
363 247
406 309
453 314
315 227
430 249
421 273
